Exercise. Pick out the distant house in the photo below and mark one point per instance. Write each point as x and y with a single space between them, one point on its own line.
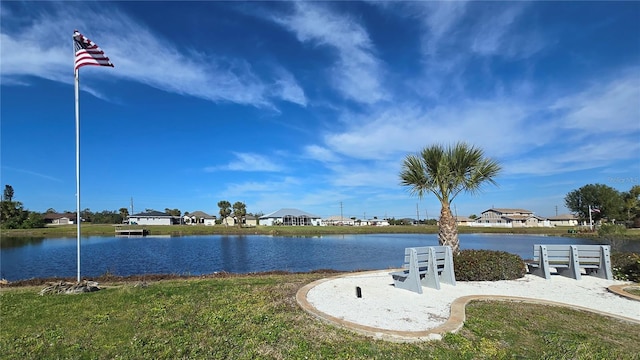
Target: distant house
250 220
564 220
229 221
60 219
199 218
337 220
153 218
510 218
463 221
375 222
409 221
292 217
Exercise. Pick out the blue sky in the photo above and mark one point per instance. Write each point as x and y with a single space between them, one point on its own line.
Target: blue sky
313 105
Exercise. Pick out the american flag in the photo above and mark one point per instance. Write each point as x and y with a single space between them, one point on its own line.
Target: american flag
88 53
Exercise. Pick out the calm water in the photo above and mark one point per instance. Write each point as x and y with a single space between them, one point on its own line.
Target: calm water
197 255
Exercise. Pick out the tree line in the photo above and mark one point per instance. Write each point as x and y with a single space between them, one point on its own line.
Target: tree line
14 216
606 204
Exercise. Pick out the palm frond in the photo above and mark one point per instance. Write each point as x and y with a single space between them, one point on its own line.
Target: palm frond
446 172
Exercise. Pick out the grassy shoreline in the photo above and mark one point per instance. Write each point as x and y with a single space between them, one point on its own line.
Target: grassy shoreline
257 317
186 230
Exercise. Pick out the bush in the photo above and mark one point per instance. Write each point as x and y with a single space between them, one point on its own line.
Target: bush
611 230
488 265
626 266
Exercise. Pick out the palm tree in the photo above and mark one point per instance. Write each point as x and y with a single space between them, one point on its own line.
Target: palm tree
239 212
225 209
446 172
124 213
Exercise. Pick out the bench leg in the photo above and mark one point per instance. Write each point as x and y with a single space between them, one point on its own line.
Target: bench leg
542 267
573 271
604 271
410 282
448 274
431 278
411 279
539 270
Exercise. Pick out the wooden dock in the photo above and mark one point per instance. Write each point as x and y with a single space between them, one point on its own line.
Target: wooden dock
132 232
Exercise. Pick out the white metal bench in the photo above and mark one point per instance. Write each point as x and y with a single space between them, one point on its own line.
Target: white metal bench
568 260
426 266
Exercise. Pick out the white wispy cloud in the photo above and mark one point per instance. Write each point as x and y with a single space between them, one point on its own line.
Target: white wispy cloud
248 162
287 88
459 37
139 54
439 18
357 72
354 174
604 107
33 173
497 36
320 153
574 157
586 129
408 127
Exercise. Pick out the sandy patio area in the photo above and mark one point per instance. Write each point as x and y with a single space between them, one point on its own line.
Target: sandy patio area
388 313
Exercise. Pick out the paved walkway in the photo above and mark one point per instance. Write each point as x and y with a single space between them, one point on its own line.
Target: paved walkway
393 314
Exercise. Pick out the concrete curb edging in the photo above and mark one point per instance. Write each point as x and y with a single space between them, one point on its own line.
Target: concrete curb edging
454 322
619 290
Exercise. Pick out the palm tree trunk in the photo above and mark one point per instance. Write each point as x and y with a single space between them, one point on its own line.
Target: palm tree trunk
448 229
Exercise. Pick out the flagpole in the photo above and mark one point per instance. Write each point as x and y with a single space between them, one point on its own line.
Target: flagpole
86 52
78 218
590 221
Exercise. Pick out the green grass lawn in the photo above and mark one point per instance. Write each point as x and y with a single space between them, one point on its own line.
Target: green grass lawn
256 317
633 290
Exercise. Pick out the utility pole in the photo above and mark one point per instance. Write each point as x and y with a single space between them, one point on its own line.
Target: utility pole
556 210
341 217
417 214
132 205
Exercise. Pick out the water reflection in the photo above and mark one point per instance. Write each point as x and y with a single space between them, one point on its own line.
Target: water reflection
41 258
10 241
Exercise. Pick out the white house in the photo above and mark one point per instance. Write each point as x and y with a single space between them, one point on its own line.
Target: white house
152 218
509 218
375 222
250 220
564 220
292 217
338 220
229 221
199 218
59 219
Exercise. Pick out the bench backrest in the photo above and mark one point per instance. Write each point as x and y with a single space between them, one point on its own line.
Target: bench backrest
423 257
560 254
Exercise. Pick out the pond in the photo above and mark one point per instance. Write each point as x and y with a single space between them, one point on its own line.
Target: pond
197 255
